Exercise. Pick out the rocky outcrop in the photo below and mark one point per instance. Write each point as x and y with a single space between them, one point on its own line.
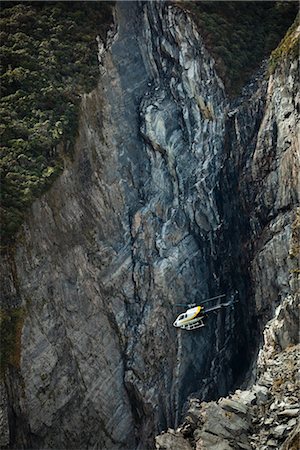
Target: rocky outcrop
275 174
166 200
264 146
263 417
124 234
4 427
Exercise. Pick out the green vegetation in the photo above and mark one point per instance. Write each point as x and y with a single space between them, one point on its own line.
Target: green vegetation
289 46
11 323
48 59
239 35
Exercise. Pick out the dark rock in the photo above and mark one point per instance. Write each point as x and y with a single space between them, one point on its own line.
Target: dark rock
168 201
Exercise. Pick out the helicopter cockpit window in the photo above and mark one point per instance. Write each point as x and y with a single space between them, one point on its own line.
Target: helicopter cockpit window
181 317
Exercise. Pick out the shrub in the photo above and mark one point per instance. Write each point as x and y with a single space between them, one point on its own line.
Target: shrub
240 35
289 46
48 58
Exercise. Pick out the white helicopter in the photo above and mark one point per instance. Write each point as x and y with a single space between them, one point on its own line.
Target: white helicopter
193 317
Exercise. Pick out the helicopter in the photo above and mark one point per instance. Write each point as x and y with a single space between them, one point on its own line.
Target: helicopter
194 315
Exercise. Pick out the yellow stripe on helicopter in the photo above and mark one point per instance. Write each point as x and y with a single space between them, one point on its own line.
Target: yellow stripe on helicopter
188 319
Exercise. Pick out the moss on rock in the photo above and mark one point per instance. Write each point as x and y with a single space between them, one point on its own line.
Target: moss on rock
48 59
11 324
288 47
239 35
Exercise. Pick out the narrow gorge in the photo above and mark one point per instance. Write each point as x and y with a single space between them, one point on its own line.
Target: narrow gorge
175 192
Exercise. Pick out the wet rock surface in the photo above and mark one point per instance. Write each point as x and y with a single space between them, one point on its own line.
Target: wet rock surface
264 416
123 235
169 199
4 436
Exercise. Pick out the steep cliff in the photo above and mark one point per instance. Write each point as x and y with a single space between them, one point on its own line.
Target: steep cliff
263 129
263 417
48 60
174 194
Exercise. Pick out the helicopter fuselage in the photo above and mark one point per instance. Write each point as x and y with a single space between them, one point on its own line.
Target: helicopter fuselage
193 317
190 318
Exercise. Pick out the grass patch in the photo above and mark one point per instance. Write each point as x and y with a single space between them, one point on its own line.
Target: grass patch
11 324
48 59
239 35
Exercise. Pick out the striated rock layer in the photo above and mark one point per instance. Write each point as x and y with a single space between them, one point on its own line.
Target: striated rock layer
263 417
173 195
266 415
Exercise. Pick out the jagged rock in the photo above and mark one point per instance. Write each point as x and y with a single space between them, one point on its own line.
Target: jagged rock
233 406
170 441
4 429
290 412
262 393
211 442
266 380
291 423
279 431
247 397
165 197
274 405
269 421
272 443
243 446
219 424
126 232
292 442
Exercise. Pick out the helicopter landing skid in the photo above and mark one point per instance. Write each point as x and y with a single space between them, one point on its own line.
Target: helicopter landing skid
193 326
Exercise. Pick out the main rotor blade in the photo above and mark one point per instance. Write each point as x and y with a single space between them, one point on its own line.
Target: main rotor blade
222 305
185 304
212 298
201 302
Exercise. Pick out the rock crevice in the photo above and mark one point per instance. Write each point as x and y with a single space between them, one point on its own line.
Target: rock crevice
168 200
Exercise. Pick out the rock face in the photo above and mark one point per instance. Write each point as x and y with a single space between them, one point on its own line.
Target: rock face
264 416
173 195
275 174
